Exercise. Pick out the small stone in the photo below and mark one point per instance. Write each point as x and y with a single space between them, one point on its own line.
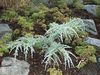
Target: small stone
93 41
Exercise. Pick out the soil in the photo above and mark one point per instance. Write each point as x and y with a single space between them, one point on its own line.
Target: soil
36 68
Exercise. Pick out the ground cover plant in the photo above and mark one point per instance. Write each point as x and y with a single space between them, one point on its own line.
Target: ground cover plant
50 31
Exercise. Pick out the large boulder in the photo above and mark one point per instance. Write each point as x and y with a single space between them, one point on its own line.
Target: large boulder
12 66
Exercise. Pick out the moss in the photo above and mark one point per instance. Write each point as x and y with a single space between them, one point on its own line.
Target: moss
86 51
3 41
96 1
98 11
54 71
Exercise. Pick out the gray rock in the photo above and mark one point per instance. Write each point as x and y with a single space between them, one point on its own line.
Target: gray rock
90 26
93 41
4 28
12 66
93 9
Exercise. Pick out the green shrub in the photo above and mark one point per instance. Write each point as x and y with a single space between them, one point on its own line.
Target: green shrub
3 42
9 14
78 5
86 53
54 71
25 23
39 12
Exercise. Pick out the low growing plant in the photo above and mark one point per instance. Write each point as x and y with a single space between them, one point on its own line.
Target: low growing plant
26 44
3 43
86 53
9 14
3 48
66 30
25 23
23 44
52 52
54 71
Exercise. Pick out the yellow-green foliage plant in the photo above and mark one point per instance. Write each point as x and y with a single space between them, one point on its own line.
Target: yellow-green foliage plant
25 23
86 53
3 43
44 15
3 48
39 12
54 71
78 5
58 15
